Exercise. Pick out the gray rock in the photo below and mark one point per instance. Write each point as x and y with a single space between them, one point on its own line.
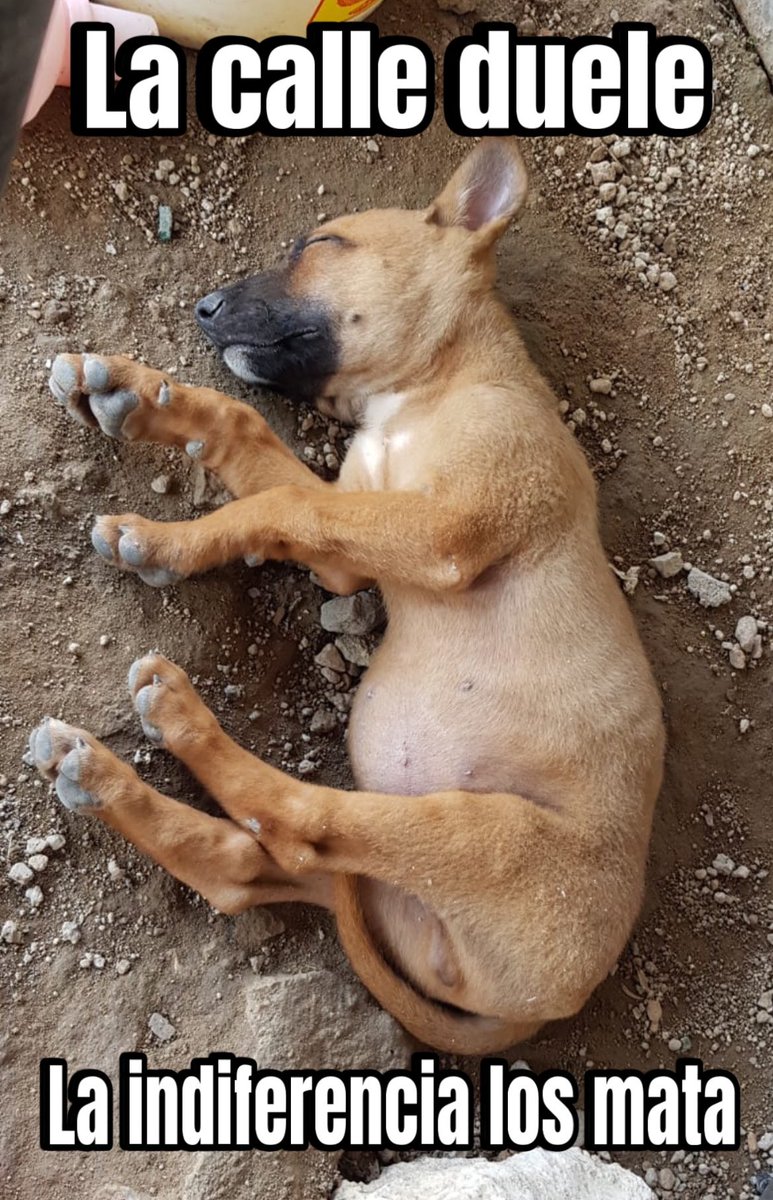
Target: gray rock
603 172
312 1020
331 658
710 592
354 649
316 1019
668 564
255 927
357 614
161 1027
323 721
532 1175
20 873
723 864
756 16
746 633
737 658
10 933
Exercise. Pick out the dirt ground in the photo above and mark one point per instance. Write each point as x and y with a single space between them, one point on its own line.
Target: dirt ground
661 301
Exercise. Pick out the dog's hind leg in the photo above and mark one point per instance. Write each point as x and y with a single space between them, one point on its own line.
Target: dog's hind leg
435 848
213 855
135 403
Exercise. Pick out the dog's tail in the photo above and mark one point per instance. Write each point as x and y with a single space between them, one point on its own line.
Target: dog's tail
431 1023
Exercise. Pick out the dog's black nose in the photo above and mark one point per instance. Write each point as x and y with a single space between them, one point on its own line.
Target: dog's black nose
208 308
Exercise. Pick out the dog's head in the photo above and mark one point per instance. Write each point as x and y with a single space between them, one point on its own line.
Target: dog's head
367 301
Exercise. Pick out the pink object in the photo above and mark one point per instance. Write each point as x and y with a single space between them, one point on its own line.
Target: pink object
54 63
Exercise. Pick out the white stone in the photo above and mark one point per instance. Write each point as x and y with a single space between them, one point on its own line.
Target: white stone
710 592
668 564
161 1027
603 172
532 1175
20 873
745 633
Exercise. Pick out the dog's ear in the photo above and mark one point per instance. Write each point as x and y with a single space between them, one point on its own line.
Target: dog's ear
486 191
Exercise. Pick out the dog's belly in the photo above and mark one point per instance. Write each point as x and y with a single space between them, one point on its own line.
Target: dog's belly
413 733
408 741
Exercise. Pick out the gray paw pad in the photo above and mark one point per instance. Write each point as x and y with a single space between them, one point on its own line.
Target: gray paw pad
254 560
41 749
159 577
101 545
96 374
194 449
64 379
70 766
112 409
134 672
143 703
72 796
130 550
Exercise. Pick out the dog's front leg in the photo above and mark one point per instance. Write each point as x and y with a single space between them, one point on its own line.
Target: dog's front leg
131 402
404 537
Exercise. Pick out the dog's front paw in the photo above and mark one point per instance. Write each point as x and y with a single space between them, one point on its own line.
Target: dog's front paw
168 705
135 544
122 398
66 757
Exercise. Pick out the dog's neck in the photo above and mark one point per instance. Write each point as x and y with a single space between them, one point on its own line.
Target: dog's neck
484 347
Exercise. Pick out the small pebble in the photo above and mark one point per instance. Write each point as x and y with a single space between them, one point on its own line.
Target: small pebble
669 564
10 933
164 223
21 873
161 1027
70 932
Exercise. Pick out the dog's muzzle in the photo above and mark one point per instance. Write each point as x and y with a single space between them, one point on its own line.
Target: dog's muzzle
266 336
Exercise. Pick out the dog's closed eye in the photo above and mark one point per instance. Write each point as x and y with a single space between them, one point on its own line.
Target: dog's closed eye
303 244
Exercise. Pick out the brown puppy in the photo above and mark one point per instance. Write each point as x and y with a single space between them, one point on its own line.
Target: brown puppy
507 739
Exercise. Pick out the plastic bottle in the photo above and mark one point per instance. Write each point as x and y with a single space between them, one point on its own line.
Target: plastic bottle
54 64
193 22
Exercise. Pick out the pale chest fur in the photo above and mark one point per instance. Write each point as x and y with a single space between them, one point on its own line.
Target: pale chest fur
378 457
